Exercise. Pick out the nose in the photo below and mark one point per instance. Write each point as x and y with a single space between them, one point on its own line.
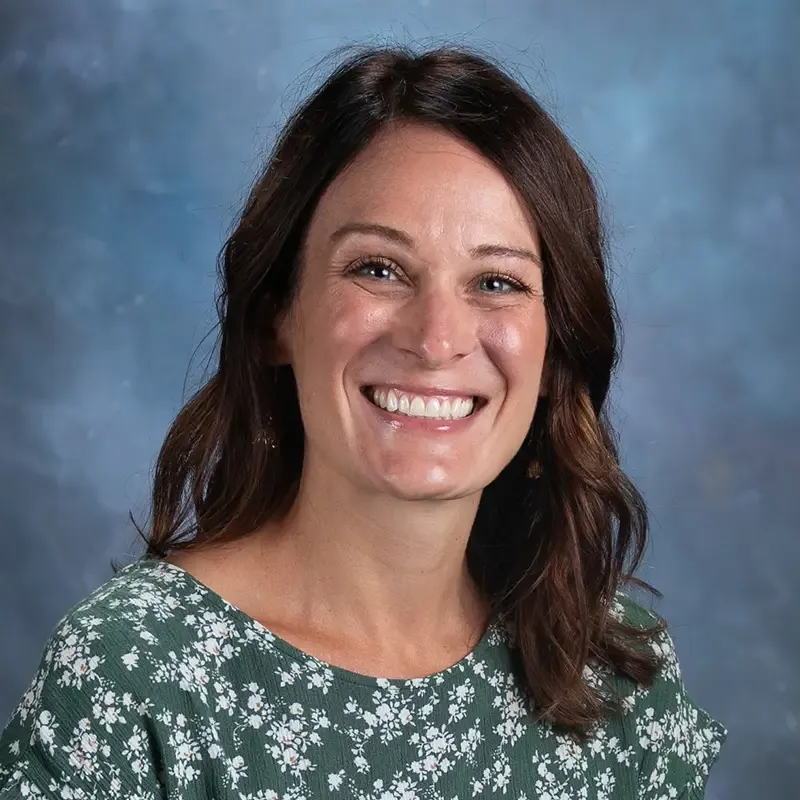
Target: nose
436 326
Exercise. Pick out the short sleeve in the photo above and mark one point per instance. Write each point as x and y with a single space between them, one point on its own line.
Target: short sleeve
679 742
79 732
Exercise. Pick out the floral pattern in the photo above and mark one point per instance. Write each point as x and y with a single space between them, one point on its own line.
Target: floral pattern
154 687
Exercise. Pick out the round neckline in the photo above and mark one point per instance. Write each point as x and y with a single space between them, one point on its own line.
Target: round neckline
341 673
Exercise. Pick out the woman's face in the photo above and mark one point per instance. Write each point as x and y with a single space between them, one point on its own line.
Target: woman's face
418 333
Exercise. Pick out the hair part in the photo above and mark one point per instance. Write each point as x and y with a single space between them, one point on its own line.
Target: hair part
551 554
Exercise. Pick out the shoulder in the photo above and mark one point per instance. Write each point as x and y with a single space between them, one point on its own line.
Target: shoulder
102 638
677 741
625 608
86 708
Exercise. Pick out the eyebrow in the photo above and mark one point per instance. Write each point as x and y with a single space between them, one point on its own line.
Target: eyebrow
401 237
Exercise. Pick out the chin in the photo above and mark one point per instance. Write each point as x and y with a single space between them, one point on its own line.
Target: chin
430 495
428 487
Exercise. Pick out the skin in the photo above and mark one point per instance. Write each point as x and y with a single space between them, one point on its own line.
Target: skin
368 569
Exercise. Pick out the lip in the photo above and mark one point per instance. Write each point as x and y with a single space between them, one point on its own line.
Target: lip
424 424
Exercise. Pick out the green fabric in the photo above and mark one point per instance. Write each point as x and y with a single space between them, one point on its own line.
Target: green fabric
155 687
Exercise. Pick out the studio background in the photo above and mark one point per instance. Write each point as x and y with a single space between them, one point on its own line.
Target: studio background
129 132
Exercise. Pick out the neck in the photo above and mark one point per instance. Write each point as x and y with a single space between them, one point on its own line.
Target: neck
367 567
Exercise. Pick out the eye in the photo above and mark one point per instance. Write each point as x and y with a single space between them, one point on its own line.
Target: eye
500 284
378 269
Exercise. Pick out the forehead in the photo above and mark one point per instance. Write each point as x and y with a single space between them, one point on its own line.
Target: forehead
429 183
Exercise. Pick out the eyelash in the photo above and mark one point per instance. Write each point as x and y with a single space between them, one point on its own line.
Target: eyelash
380 261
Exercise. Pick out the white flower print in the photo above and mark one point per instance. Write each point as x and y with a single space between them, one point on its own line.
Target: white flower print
155 681
336 780
131 658
45 730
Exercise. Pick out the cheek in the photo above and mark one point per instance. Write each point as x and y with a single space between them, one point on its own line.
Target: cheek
336 327
353 325
517 346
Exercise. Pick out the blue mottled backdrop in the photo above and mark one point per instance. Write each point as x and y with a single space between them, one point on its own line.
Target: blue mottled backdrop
129 130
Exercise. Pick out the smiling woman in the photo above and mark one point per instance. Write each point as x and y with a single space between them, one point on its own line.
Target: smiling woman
390 536
427 292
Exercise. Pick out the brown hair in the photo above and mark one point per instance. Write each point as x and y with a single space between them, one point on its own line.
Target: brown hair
549 554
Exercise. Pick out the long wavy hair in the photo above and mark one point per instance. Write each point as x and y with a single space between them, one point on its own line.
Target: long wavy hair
549 554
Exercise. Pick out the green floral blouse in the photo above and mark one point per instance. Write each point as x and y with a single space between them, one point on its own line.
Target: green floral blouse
155 687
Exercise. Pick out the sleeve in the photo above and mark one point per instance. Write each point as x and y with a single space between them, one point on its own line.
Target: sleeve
79 732
679 742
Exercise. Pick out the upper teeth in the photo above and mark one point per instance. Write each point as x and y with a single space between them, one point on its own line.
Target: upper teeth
414 405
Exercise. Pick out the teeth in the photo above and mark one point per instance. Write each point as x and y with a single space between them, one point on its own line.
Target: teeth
433 408
416 406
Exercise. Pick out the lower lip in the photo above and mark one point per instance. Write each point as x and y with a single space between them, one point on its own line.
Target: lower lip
403 422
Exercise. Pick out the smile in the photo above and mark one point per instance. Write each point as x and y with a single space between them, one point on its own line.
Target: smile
441 407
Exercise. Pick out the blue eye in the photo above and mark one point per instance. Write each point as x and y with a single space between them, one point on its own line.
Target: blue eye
499 284
377 270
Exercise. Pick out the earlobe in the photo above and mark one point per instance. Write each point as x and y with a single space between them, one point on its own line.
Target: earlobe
544 381
278 351
277 355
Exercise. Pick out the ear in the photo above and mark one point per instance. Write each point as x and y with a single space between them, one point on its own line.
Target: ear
544 380
278 350
277 354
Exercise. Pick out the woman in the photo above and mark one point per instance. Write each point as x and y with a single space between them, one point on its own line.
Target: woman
390 534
